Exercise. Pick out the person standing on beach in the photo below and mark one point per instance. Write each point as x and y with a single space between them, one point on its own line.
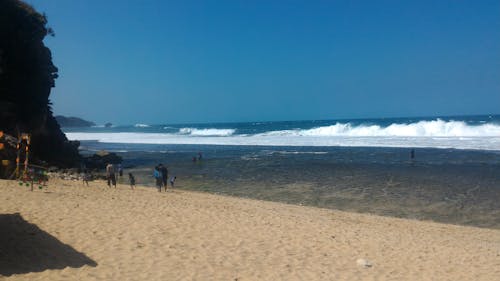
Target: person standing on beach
164 176
172 181
86 177
120 170
131 178
110 174
158 177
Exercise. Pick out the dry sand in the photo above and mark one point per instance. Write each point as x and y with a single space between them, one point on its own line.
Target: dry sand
71 232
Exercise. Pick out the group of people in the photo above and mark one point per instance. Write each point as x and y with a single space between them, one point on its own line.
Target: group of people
198 158
111 175
160 174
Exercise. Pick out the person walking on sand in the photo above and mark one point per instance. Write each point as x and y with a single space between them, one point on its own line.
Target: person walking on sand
158 177
110 175
131 178
164 176
86 177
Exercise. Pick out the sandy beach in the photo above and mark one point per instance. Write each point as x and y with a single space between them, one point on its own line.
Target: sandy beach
71 232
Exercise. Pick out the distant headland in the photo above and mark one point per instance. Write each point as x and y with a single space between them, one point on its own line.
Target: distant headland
73 122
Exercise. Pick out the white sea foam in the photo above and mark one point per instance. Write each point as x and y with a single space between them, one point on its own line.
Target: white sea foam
206 132
139 125
435 128
437 133
302 152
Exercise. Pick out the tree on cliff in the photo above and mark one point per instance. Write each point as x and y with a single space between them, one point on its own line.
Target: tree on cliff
27 75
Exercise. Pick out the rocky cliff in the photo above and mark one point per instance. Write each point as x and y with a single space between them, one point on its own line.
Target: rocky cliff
27 75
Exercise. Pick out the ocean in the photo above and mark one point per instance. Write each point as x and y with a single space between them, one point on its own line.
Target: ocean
361 165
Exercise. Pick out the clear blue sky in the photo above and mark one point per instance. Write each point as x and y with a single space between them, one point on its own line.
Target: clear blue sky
209 61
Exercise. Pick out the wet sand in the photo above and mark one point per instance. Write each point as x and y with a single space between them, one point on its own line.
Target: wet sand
71 232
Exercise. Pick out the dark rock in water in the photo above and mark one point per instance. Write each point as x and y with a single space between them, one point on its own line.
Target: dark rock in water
27 75
101 159
108 125
73 122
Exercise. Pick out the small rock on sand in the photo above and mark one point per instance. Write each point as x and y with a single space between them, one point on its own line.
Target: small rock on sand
364 263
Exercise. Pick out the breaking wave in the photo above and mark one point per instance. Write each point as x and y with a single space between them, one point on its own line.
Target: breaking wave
206 132
435 128
436 133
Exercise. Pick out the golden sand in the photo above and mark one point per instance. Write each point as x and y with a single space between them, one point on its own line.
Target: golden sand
71 232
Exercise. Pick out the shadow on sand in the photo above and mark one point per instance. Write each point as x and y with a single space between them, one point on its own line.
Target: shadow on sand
26 248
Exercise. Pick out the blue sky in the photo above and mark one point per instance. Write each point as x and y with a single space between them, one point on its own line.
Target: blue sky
220 61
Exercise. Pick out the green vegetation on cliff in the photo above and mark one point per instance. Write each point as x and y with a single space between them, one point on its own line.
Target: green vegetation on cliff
27 75
73 122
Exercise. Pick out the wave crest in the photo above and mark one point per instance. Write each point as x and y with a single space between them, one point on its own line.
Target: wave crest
436 133
435 128
206 132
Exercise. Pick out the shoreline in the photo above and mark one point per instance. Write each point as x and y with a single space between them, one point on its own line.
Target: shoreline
141 234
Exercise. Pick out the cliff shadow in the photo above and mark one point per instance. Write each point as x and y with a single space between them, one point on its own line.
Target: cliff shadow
26 248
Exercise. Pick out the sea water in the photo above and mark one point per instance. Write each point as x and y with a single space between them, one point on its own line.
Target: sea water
362 165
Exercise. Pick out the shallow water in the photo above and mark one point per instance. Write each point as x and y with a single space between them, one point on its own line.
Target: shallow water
444 185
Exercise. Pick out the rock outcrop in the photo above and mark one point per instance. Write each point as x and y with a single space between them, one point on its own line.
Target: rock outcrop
74 122
27 75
